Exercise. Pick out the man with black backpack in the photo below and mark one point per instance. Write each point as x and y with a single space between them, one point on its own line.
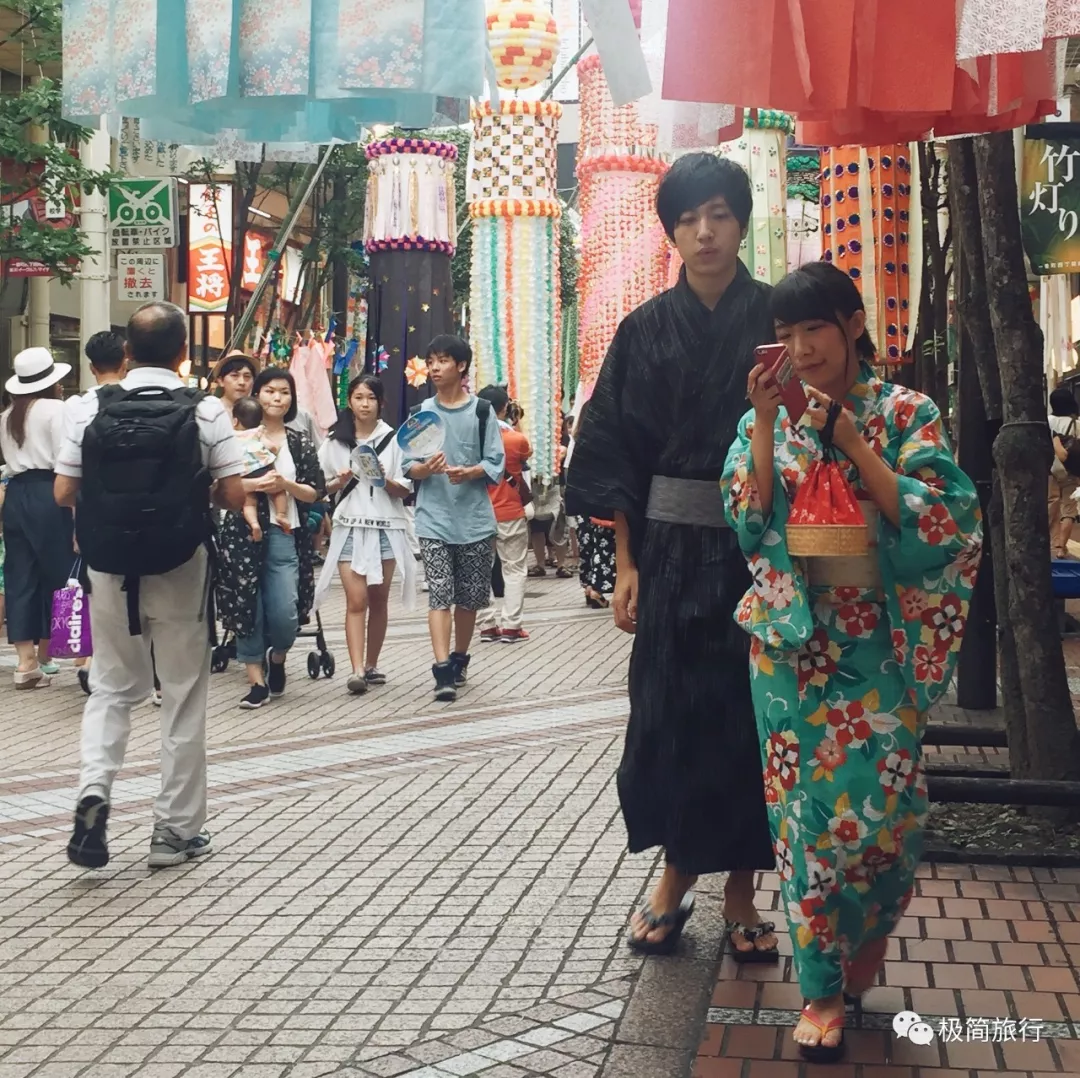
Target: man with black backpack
140 464
454 518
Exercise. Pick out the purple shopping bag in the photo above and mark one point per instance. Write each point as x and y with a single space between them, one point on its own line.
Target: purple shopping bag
70 636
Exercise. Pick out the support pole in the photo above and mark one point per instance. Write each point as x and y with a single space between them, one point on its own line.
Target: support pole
37 306
94 300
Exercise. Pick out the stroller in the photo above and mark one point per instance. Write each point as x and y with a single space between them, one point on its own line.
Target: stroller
320 661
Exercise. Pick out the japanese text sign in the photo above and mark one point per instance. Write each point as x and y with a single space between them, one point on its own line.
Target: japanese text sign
142 214
209 248
140 277
1050 198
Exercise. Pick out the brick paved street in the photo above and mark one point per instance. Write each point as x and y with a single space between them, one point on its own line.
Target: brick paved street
398 887
406 888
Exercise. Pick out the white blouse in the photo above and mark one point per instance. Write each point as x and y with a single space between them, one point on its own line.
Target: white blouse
285 466
44 437
367 506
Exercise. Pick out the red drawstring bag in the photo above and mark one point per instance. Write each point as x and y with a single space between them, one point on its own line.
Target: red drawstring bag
825 519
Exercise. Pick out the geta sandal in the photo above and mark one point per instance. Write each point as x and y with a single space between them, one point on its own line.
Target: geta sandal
752 935
674 922
822 1053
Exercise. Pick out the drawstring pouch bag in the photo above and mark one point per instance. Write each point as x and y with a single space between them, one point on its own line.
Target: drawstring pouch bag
825 519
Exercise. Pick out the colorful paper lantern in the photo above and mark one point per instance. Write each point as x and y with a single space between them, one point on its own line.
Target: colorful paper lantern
514 309
524 42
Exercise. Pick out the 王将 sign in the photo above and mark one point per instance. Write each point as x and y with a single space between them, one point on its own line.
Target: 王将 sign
142 214
210 229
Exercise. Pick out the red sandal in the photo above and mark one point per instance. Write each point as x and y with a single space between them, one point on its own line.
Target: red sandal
822 1053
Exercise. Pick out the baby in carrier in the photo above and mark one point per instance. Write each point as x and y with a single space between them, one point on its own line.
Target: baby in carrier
259 458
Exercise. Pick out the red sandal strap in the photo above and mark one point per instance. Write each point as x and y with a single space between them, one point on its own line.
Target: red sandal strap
814 1019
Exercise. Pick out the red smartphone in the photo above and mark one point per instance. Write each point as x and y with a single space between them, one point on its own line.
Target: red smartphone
777 361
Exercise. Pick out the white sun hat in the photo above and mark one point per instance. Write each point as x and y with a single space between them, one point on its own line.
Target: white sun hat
35 370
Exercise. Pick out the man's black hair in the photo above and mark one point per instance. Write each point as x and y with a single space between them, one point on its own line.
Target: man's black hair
277 374
1063 403
247 411
157 335
698 178
497 396
446 344
105 350
819 292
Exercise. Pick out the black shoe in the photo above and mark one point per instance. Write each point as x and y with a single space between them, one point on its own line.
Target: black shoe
88 848
275 675
255 699
460 664
84 679
444 682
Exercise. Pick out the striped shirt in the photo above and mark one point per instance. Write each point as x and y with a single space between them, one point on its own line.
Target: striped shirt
220 449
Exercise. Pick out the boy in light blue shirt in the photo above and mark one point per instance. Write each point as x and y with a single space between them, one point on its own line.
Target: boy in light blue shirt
455 522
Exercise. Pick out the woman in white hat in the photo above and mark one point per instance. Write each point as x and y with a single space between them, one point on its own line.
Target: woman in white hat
38 534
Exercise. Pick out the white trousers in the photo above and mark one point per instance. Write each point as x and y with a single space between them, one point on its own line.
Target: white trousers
172 609
512 546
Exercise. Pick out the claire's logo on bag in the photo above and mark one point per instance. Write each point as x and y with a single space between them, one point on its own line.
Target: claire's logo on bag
72 625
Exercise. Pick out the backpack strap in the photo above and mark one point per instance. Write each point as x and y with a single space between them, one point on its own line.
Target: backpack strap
483 415
130 587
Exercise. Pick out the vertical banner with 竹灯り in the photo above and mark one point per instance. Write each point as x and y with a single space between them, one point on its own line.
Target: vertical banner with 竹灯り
210 230
1050 198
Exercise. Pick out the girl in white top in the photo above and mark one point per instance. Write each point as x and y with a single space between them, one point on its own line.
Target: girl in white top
369 529
39 546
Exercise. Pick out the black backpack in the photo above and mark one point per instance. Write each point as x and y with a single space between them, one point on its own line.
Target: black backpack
143 507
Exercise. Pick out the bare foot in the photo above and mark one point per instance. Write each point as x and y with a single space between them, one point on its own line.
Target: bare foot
665 899
808 1033
739 909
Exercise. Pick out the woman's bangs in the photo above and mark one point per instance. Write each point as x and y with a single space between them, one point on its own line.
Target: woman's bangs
799 297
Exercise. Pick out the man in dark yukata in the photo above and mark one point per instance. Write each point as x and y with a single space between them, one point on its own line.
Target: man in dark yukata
650 454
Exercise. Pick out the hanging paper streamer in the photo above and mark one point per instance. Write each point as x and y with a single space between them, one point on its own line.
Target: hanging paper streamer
302 72
514 307
624 252
410 231
867 232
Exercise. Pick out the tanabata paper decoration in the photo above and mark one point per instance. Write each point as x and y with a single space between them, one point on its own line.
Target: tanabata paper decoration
416 373
862 72
524 41
514 150
624 252
410 203
514 309
410 233
305 71
870 232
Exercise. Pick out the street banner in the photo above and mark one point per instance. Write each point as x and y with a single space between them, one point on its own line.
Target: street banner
210 228
1050 198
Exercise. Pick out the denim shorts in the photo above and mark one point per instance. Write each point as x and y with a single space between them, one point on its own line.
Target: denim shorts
386 551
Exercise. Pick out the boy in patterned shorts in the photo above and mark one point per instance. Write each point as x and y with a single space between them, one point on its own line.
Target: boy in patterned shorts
455 522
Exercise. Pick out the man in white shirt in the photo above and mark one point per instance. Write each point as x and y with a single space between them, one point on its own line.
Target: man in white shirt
170 613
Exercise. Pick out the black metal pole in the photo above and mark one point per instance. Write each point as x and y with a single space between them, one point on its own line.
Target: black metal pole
976 677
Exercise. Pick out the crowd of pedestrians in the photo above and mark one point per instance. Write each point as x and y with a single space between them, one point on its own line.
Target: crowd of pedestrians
777 698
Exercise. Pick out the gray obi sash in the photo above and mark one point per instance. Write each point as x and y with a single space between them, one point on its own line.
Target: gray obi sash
686 501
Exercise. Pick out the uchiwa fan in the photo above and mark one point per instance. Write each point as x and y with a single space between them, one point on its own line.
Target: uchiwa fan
825 520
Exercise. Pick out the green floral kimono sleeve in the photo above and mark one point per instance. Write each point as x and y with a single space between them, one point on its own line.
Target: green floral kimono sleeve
930 562
776 611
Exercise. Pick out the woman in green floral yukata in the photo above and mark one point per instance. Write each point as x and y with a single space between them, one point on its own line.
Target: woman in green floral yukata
847 654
